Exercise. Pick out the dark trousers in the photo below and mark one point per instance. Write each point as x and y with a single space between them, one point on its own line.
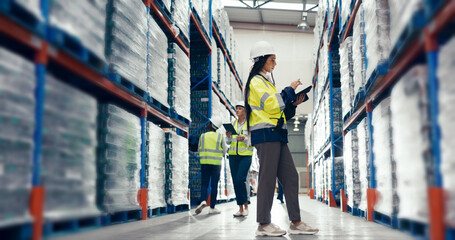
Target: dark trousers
275 160
210 173
240 165
280 191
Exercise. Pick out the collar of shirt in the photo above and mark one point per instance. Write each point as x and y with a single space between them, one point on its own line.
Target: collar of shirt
267 77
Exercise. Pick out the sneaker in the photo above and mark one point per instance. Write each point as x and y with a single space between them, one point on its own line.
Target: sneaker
302 228
245 212
270 230
200 207
238 214
214 211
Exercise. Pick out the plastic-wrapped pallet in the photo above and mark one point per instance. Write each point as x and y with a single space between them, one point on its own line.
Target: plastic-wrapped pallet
221 63
346 9
347 75
17 97
401 13
119 160
179 81
33 6
229 182
68 151
222 190
358 50
167 4
408 105
157 63
351 167
156 171
364 162
85 20
214 59
181 16
126 40
446 119
339 176
377 28
179 170
383 159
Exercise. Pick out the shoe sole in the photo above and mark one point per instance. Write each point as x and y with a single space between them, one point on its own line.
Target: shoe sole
236 216
258 233
199 209
297 232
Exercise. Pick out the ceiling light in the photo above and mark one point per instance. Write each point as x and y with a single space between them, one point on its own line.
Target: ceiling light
303 25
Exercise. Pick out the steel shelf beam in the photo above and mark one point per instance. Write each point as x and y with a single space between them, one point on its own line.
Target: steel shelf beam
223 99
201 32
350 23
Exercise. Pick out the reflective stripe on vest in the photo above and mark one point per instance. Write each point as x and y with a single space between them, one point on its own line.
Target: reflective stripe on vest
210 150
240 147
266 104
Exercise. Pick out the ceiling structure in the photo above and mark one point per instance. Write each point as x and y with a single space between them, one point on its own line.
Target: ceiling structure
271 12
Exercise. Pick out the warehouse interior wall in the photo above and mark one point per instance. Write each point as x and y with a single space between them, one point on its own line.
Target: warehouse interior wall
294 55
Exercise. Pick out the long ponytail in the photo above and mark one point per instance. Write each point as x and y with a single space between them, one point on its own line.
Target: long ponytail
259 63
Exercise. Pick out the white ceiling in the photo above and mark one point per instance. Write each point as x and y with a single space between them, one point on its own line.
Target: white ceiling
266 15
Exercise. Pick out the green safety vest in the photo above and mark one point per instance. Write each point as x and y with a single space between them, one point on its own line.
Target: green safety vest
239 147
210 149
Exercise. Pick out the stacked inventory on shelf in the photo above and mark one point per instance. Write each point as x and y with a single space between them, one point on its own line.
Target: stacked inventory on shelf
68 157
351 168
409 105
358 51
32 6
202 9
119 160
17 94
167 4
347 76
180 10
377 27
126 40
179 81
157 63
345 12
156 170
384 160
221 69
84 20
446 120
179 170
364 162
401 13
339 176
168 168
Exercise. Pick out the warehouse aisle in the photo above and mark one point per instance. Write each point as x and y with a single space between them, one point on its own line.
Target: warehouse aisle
332 223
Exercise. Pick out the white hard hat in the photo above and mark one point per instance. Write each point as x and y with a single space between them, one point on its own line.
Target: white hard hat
216 122
260 49
240 103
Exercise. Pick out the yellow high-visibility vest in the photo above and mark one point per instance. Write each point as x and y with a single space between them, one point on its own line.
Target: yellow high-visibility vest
240 147
266 104
210 148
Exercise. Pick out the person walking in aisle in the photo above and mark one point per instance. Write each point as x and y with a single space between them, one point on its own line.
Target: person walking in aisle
212 149
240 154
266 114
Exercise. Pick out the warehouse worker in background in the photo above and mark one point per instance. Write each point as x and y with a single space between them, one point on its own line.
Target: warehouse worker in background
240 154
267 112
212 149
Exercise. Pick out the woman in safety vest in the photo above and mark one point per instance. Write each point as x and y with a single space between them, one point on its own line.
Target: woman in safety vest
240 154
267 112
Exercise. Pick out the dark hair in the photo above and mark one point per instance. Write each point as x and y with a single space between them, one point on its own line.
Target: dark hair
259 63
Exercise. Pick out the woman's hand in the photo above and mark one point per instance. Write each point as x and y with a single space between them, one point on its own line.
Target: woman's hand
228 134
299 99
295 84
240 137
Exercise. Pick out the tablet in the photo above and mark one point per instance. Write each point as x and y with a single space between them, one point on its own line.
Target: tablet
229 128
304 91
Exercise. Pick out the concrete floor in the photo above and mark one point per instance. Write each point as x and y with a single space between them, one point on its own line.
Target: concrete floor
332 223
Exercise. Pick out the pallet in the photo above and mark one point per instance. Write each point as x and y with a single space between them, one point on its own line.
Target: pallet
416 229
431 7
59 227
158 105
74 47
176 209
378 72
156 212
126 84
121 217
354 211
410 32
389 221
19 232
17 13
179 118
